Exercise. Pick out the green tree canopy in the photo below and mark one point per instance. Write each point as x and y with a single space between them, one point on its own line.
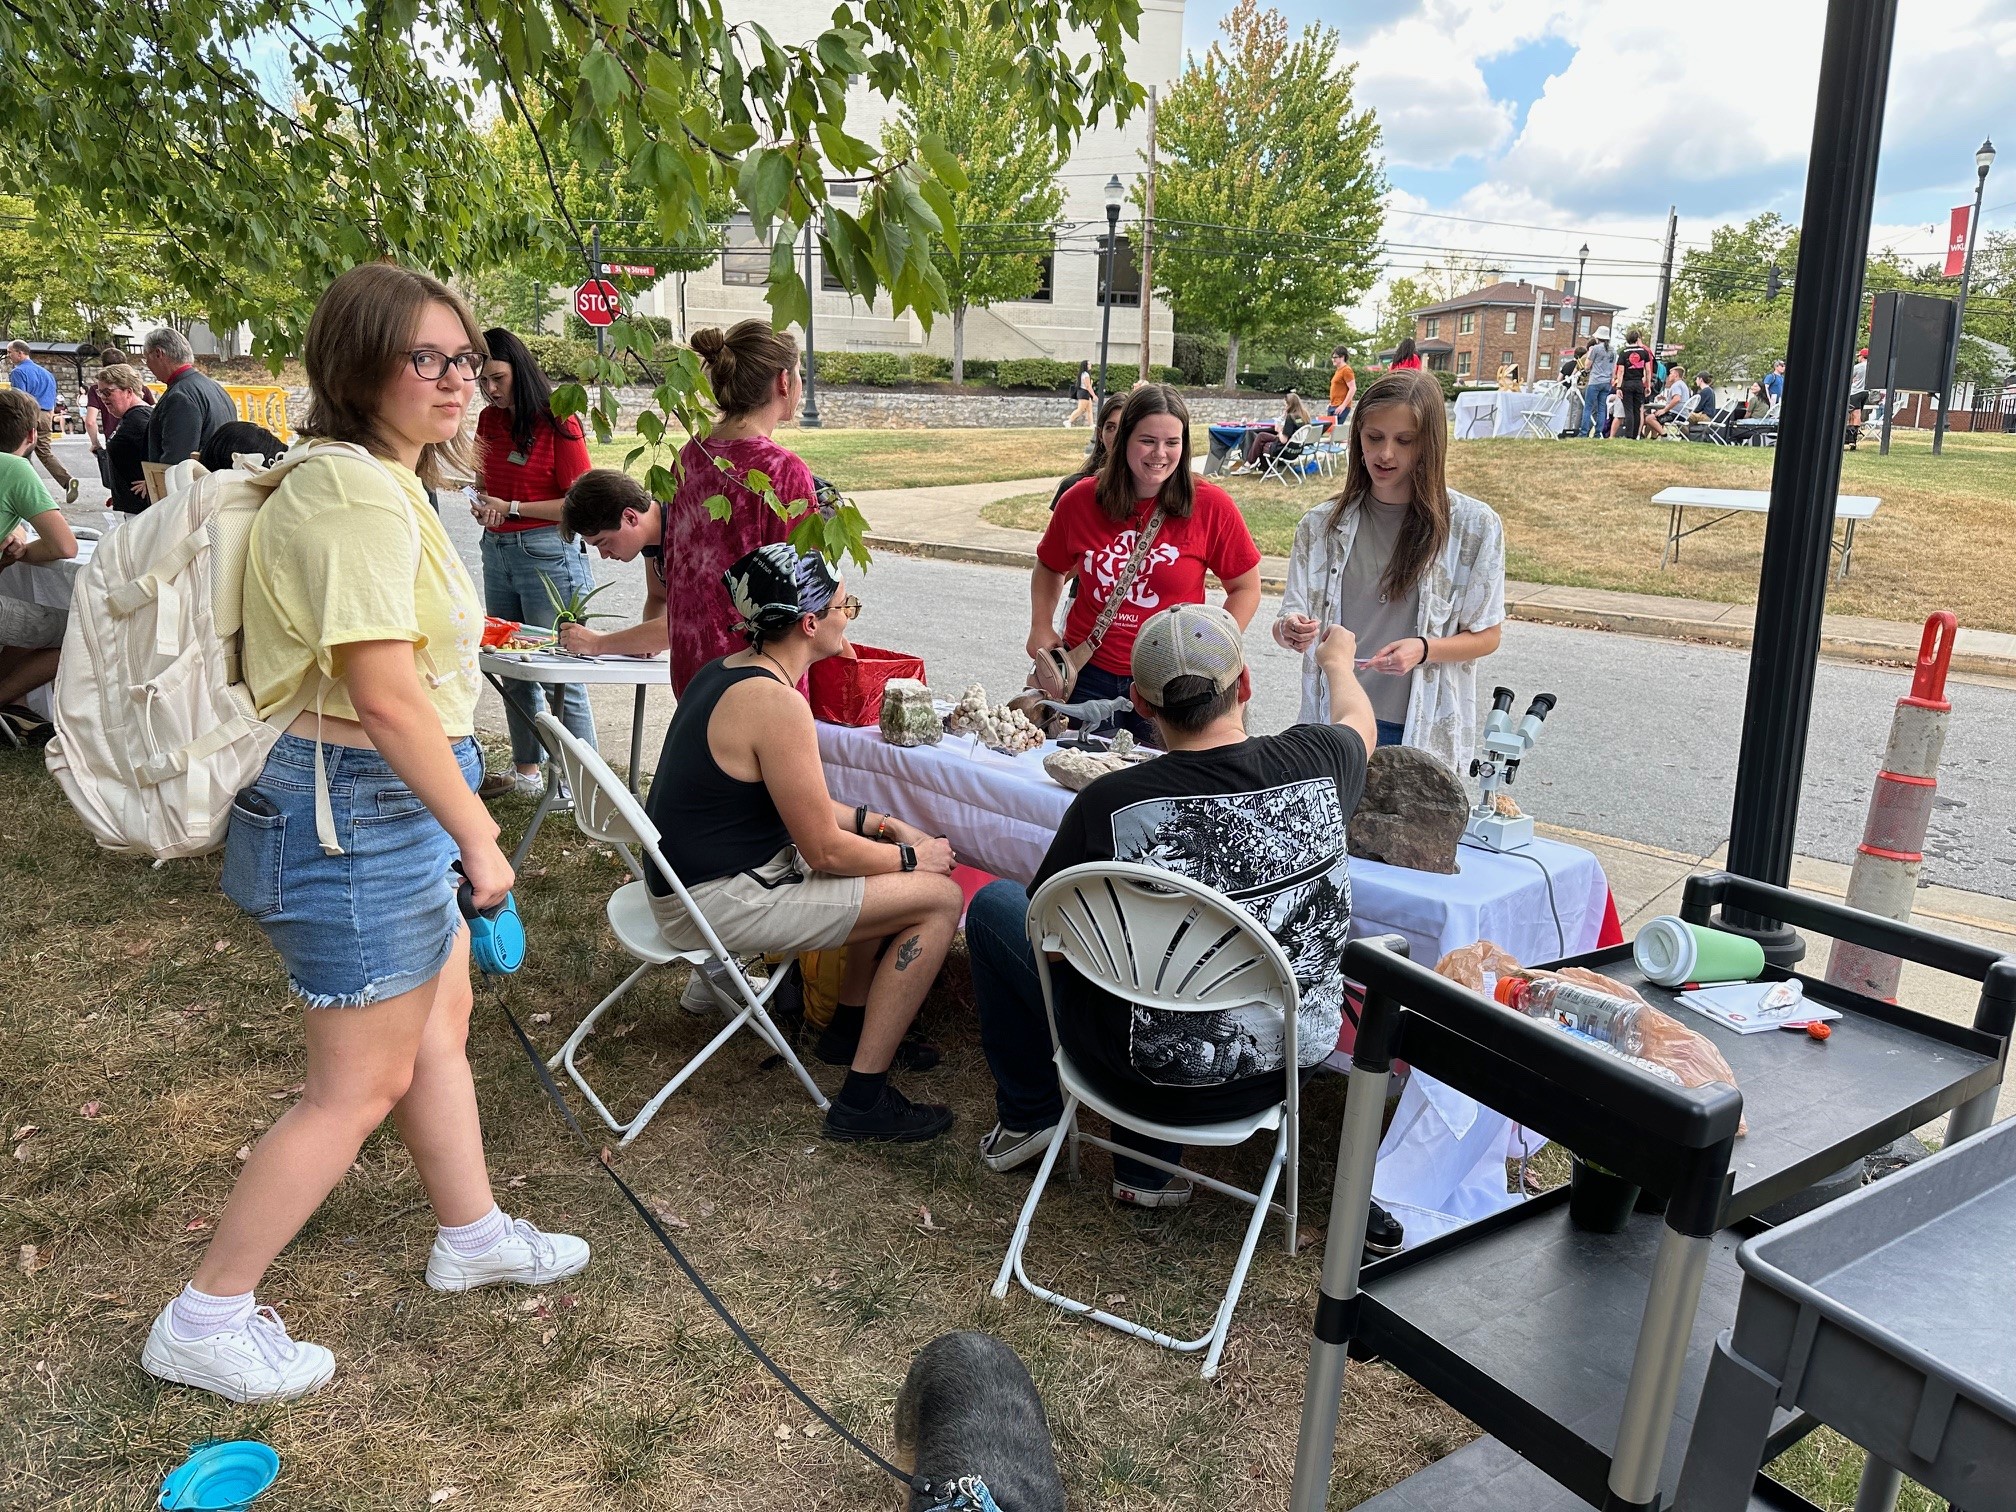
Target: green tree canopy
1005 218
292 139
1267 198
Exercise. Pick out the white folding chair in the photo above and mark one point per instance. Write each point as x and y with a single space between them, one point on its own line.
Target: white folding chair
1329 449
1538 422
1286 461
607 813
1166 943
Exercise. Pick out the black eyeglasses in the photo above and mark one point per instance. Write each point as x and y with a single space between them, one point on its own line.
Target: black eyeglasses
432 365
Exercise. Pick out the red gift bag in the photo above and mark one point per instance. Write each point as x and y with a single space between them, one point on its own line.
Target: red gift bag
849 692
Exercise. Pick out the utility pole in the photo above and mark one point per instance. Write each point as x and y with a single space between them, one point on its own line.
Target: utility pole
1148 246
595 261
1665 280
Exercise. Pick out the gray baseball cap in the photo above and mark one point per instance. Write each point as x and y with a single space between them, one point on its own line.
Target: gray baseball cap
1190 640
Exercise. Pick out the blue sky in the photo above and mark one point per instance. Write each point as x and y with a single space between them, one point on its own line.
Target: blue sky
1582 115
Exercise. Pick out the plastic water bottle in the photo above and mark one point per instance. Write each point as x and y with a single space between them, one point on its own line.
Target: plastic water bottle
1611 1021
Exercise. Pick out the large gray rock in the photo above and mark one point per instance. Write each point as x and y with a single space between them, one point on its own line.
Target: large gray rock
1412 813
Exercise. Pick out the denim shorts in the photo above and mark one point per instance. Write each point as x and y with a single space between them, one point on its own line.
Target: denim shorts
369 924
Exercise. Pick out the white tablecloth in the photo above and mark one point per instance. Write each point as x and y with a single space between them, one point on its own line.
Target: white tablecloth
1442 1161
1502 412
49 584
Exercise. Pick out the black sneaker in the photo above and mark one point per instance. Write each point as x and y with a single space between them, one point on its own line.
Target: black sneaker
893 1118
913 1052
1383 1233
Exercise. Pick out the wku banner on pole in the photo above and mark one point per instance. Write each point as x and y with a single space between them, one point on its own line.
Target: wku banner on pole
1956 242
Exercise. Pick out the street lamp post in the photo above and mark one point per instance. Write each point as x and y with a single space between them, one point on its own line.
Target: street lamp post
1115 193
809 416
1581 263
1984 159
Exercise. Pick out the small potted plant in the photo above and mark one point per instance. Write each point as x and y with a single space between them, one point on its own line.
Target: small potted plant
572 608
1599 1200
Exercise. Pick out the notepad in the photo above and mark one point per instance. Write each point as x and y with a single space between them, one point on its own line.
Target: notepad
1754 1007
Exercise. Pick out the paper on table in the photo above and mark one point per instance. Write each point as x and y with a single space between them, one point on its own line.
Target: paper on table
1755 1007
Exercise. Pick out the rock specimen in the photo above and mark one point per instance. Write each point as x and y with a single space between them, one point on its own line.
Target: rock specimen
1002 728
1412 813
1077 770
907 716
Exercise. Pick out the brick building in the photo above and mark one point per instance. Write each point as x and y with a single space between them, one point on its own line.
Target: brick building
1475 334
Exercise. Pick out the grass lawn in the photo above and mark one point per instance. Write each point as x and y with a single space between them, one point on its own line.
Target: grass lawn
150 1038
858 460
1579 513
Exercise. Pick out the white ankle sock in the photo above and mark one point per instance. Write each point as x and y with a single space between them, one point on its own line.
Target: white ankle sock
480 1237
198 1315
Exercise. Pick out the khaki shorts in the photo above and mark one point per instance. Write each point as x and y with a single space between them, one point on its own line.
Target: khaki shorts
781 906
30 627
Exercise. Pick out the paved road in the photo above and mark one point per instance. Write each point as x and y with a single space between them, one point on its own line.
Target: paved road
1642 746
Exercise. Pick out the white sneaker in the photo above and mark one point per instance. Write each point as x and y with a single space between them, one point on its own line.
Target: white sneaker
527 1256
253 1362
527 784
697 998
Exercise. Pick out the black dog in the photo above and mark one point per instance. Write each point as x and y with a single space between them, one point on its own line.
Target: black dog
968 1408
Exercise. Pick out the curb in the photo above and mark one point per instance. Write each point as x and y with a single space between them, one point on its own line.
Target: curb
1619 621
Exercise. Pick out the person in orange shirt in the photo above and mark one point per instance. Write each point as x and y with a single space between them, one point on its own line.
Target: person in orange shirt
1343 383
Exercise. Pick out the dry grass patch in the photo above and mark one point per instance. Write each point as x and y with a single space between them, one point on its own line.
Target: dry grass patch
146 1038
858 460
1579 513
144 993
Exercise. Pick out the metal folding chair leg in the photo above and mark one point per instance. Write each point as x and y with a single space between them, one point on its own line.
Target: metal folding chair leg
1213 1341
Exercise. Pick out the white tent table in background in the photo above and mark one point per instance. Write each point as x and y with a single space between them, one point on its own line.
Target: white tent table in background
1482 413
644 672
49 584
1848 508
1447 1151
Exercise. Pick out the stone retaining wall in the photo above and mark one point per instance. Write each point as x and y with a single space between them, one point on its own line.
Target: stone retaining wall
894 409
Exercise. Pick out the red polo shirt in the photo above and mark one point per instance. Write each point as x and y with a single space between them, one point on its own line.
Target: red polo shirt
545 470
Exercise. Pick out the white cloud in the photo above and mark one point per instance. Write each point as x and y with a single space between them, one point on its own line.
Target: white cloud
1433 107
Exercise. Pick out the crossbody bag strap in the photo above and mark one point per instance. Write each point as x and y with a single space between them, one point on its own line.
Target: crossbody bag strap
1124 584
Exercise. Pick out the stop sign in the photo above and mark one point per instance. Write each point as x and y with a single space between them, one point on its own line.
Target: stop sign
598 302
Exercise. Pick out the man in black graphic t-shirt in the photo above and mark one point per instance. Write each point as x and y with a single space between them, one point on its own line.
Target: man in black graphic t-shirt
1260 819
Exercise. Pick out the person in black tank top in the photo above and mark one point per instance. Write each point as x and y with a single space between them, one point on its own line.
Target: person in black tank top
776 864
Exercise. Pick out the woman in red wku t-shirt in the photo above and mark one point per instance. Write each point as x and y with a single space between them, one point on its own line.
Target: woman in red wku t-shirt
530 460
1097 523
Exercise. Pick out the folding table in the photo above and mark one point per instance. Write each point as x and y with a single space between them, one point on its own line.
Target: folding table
1852 508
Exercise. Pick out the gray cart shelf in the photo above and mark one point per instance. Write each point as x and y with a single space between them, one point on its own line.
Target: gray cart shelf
1579 1353
1890 1316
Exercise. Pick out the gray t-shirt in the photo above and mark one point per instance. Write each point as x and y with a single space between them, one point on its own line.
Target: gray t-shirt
1364 610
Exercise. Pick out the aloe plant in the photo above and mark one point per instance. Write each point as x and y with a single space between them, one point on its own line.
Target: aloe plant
572 609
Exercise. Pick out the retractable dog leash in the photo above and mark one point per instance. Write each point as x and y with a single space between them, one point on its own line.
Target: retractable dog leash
497 944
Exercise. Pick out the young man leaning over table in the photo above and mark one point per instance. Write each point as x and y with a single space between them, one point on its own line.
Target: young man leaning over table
612 513
1274 808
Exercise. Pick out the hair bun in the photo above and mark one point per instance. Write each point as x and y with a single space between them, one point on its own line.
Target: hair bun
709 342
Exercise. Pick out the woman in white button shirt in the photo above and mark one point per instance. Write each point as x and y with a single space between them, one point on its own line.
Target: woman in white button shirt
1409 566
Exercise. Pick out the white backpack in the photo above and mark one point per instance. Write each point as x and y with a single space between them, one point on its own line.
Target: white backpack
156 731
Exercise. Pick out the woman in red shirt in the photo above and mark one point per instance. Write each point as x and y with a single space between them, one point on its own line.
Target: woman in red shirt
1404 355
530 460
1097 524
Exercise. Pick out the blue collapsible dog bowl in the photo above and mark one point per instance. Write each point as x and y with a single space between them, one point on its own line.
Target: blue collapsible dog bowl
218 1476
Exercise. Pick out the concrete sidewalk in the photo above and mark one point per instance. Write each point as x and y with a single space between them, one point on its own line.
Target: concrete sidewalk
945 522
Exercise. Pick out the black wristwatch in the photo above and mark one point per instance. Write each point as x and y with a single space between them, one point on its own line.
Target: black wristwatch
909 855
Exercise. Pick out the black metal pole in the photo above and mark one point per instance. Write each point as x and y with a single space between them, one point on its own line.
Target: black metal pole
1959 314
1106 294
1889 382
1665 282
808 417
595 258
1805 481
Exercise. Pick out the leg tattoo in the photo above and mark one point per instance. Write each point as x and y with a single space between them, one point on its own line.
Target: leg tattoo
908 951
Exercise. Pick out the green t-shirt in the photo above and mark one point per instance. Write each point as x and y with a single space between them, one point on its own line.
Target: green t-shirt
21 493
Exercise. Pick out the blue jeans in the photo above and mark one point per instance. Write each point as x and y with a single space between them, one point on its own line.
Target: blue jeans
1595 411
517 566
369 924
1391 733
1015 1035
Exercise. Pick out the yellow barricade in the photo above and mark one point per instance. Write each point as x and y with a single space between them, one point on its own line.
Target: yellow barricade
262 405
